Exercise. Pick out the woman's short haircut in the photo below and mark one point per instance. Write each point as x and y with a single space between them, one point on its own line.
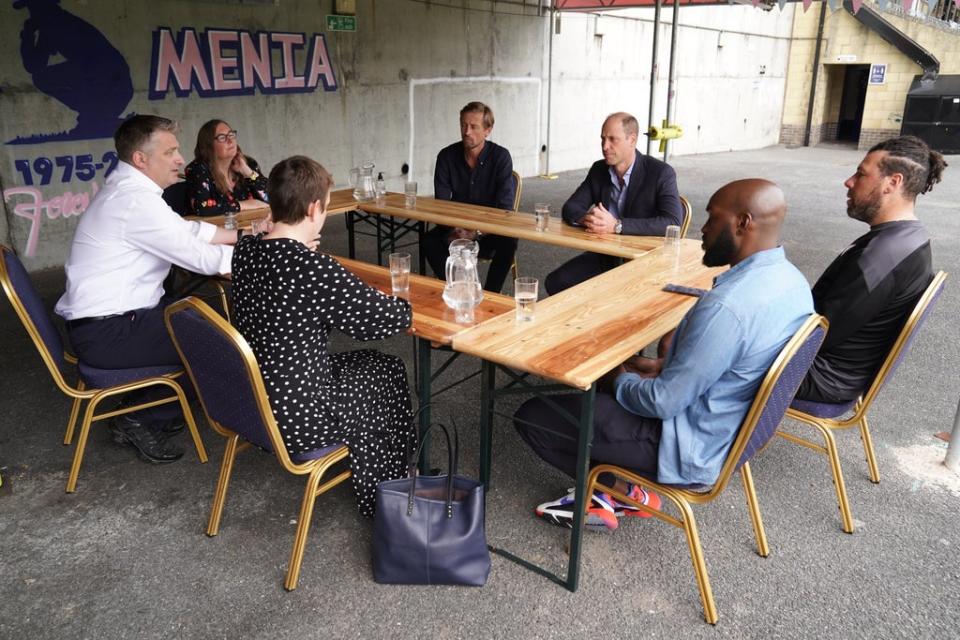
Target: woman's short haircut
479 107
910 156
295 184
135 133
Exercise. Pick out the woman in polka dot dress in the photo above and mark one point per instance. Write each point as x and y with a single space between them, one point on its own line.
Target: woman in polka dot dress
287 300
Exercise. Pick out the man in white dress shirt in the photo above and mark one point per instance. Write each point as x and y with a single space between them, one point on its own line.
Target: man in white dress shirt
125 243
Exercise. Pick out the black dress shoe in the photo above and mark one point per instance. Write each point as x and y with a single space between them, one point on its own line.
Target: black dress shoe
147 440
170 427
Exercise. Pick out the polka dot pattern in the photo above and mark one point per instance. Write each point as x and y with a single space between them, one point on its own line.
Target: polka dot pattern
287 301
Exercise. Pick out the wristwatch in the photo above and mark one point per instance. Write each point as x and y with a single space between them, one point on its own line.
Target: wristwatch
618 228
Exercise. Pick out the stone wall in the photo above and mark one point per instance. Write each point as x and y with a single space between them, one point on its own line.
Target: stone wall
389 92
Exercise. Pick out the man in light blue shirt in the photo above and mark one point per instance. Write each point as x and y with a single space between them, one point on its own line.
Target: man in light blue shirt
675 418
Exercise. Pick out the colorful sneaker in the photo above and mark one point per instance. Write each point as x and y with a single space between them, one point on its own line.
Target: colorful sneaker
641 495
600 514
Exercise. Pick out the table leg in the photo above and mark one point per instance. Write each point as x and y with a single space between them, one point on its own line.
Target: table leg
583 469
423 374
488 380
379 241
351 240
422 256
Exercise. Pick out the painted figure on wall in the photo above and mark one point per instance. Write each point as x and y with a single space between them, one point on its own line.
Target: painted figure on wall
71 61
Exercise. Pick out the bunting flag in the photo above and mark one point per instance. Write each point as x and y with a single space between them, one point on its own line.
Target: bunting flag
931 5
883 3
783 3
856 5
907 5
835 4
806 5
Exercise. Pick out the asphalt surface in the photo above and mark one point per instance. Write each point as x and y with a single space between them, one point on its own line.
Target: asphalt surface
126 557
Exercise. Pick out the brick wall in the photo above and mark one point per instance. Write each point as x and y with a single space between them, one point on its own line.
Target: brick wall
870 137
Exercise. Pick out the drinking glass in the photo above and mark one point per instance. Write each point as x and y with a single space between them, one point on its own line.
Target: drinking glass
671 239
525 295
230 220
410 193
542 211
400 273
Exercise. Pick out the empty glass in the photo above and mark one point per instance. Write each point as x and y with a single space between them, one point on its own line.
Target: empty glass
410 195
525 295
671 246
542 211
230 220
400 273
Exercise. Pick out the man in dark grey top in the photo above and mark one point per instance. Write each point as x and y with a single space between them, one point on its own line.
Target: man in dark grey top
870 289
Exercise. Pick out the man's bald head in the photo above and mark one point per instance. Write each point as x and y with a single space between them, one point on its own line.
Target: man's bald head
745 218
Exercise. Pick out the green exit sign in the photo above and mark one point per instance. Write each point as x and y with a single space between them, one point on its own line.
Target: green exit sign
341 23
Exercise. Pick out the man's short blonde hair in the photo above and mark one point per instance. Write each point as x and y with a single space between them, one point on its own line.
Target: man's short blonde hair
630 125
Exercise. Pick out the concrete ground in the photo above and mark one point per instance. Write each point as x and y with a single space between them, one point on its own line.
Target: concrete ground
126 557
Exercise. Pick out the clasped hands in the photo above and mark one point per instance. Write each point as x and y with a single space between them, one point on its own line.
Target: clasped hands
462 234
640 365
599 220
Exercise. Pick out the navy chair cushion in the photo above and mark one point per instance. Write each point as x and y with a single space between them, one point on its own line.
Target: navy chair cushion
23 286
220 375
822 409
784 389
104 378
307 456
176 197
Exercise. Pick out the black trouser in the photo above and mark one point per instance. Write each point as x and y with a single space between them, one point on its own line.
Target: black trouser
500 249
619 437
135 339
578 269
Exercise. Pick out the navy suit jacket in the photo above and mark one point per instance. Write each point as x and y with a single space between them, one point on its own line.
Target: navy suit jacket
652 202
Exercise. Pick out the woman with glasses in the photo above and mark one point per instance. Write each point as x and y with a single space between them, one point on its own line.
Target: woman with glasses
221 178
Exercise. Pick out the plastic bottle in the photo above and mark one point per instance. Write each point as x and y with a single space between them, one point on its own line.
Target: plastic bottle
381 189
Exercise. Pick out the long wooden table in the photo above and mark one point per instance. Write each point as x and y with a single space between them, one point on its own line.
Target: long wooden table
341 201
575 338
509 223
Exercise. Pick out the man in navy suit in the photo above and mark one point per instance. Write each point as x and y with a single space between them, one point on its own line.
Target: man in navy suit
626 192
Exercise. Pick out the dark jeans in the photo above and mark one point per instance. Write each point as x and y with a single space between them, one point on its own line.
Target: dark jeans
135 339
499 248
619 437
576 270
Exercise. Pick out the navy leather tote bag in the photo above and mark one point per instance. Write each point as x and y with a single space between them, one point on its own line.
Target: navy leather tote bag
430 529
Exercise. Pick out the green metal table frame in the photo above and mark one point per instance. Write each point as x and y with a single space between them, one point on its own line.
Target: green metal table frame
517 385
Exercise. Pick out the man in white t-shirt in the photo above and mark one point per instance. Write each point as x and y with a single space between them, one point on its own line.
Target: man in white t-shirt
124 246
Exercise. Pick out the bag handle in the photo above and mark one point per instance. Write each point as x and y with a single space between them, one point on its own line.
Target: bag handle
452 455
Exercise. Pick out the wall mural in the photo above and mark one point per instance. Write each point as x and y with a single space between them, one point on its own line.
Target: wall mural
71 61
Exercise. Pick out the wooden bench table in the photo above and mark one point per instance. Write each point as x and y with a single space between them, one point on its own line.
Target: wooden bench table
575 338
504 223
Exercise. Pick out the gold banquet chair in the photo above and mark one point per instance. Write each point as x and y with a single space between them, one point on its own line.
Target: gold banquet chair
687 216
827 418
227 377
769 405
93 385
